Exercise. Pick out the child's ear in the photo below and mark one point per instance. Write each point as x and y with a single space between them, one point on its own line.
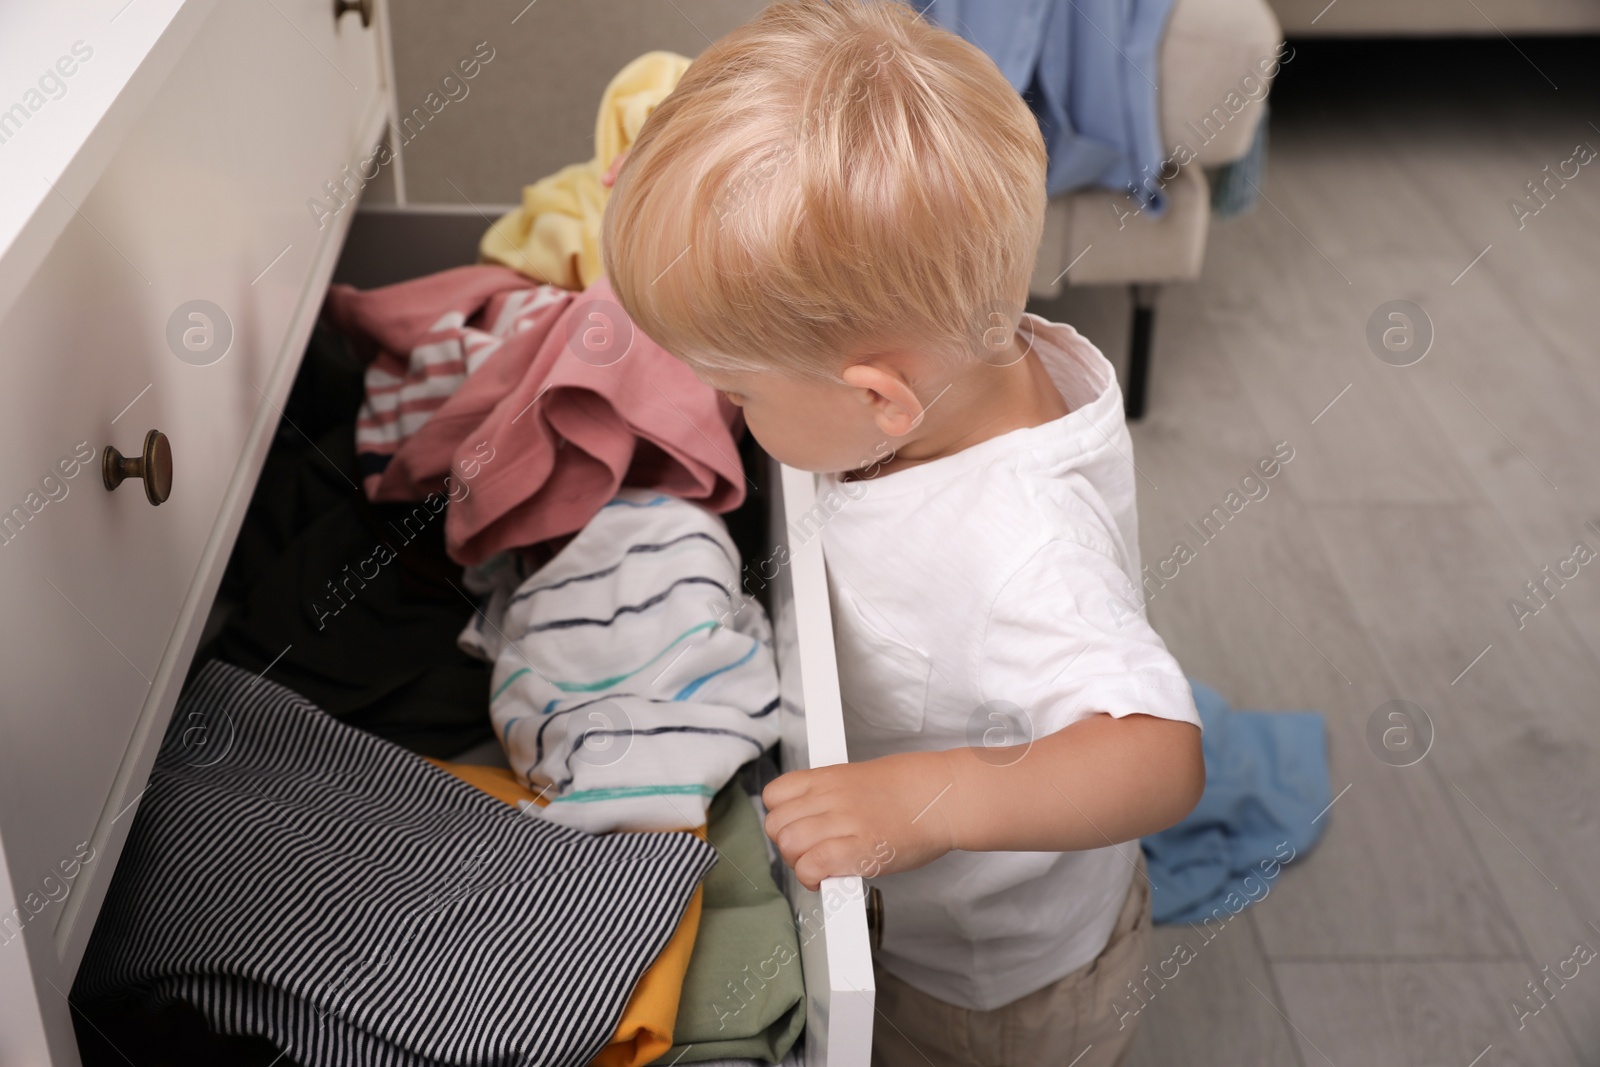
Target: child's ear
895 407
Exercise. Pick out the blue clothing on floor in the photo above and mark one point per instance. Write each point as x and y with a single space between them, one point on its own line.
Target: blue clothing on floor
1088 69
1266 780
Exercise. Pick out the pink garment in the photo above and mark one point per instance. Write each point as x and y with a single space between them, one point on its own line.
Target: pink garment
491 392
423 338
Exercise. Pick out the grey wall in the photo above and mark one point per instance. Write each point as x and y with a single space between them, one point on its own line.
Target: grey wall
531 109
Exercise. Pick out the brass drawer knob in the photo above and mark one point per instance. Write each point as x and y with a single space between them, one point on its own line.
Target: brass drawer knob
364 7
153 467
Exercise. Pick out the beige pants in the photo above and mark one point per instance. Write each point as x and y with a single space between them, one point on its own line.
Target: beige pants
1072 1021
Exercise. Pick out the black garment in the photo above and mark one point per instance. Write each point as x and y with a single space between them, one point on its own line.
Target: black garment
124 1030
353 604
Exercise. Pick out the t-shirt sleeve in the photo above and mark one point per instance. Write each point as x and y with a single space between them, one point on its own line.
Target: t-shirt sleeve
1066 638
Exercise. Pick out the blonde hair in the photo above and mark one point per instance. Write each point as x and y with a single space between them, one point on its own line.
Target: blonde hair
830 177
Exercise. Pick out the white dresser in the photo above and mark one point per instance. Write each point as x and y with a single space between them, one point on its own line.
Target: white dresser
161 268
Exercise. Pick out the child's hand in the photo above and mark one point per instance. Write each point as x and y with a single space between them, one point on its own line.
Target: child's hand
1098 781
870 818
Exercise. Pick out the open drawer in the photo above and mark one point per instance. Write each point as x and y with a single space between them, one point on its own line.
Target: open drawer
834 946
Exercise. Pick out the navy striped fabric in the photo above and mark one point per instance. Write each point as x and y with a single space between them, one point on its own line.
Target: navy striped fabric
299 880
629 686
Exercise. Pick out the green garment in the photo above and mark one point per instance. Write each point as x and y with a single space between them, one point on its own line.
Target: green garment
743 996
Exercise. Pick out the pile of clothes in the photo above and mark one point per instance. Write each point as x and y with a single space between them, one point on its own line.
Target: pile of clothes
618 685
493 512
331 892
524 407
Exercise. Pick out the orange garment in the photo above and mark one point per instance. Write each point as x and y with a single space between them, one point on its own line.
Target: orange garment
498 782
645 1030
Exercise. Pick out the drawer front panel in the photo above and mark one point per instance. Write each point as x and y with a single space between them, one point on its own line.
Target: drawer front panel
834 947
205 200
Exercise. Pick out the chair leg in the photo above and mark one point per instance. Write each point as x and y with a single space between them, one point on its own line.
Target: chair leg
1144 320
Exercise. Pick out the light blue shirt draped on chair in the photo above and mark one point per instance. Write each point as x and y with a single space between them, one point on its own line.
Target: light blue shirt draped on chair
1088 68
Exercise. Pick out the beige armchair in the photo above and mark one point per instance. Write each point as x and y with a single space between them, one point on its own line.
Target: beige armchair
1436 18
1217 62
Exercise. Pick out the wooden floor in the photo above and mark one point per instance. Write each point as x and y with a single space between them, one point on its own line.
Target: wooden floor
1419 502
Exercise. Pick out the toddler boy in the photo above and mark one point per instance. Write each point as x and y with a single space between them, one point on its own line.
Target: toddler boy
833 219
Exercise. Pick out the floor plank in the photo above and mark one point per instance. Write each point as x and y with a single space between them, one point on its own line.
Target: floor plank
1418 1015
1517 741
1209 1012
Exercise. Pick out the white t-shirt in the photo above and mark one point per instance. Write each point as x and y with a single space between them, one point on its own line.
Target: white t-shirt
1007 572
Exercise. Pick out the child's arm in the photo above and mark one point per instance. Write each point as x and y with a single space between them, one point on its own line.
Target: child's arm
1101 780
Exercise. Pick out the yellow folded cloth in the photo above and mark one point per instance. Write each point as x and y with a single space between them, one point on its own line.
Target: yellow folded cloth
645 1030
555 235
